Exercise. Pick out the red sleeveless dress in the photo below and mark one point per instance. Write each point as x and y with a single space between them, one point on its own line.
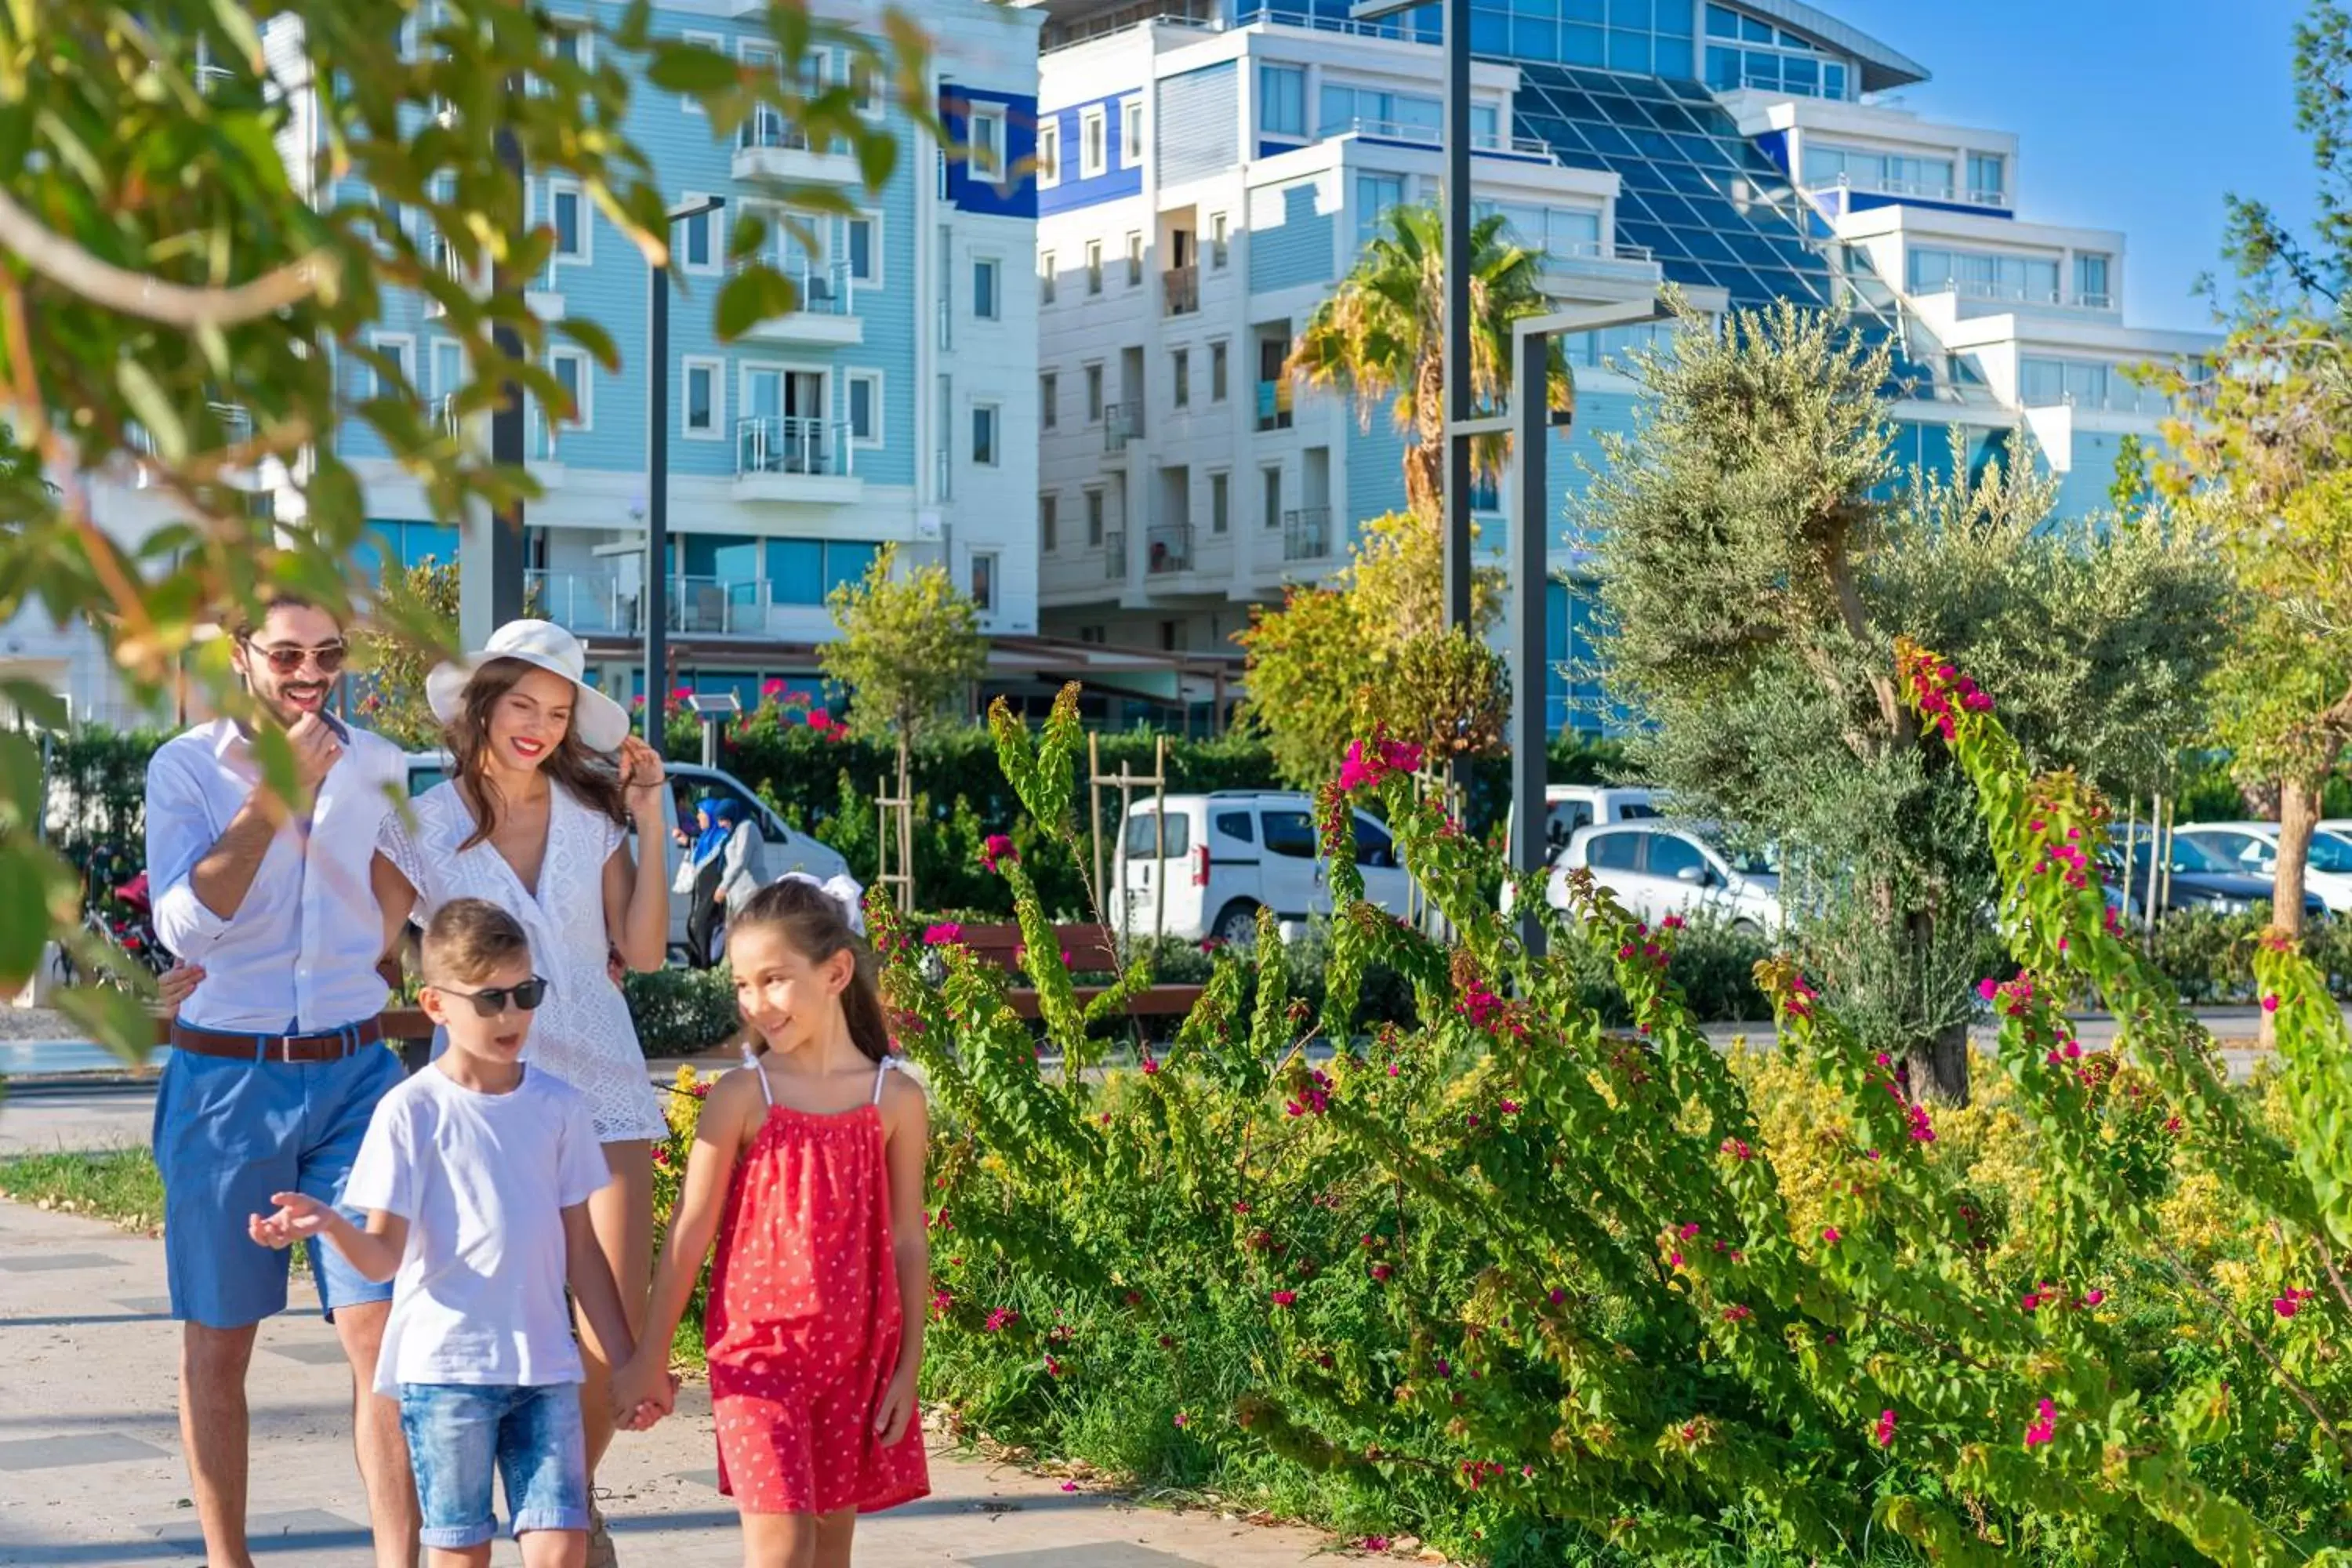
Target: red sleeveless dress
804 1323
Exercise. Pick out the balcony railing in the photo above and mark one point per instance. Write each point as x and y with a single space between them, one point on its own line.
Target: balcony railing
602 602
1273 405
1595 250
791 445
767 128
1122 423
444 414
1115 555
1306 533
2012 293
1434 135
1169 548
825 288
1182 285
546 439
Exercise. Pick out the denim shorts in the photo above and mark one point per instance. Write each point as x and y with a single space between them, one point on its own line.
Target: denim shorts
460 1434
229 1134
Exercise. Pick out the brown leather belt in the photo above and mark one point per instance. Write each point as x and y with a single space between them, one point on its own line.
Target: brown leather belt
332 1045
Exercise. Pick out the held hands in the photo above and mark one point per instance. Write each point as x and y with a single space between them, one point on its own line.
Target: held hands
298 1217
643 1392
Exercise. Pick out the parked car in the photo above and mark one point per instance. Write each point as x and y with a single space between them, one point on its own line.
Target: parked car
1218 858
2252 848
1568 808
2198 878
1661 867
782 849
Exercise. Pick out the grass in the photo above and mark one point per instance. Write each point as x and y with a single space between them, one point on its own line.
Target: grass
117 1185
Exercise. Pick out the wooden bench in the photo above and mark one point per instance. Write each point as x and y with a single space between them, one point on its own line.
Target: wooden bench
1091 949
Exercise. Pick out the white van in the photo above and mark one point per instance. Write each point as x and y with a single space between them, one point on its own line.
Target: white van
1228 854
782 850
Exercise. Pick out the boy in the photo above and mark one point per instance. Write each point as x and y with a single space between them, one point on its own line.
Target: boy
474 1175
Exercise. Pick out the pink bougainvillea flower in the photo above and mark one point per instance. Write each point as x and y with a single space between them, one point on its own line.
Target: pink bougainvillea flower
1884 1433
1182 1419
1509 1107
1001 1318
943 932
1376 1543
1735 1313
1380 1272
1053 1368
820 720
1987 988
2092 1298
1069 1486
1829 1234
2288 1305
1150 1067
2270 1004
1922 1130
1283 1298
2045 1424
1689 1232
997 848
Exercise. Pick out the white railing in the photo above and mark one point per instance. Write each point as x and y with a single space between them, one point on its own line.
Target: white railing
2011 293
1886 188
444 414
1595 250
1434 136
791 445
546 437
825 288
769 128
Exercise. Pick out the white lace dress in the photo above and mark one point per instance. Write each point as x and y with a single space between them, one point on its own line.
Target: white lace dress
582 1032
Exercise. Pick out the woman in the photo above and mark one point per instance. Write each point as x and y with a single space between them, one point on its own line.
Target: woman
536 819
725 871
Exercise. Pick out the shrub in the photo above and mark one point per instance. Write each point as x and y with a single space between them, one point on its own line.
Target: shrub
1542 1290
681 1012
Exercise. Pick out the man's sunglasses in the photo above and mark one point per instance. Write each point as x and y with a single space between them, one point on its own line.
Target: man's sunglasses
285 660
490 1004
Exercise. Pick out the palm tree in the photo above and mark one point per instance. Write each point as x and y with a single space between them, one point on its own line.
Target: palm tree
1382 334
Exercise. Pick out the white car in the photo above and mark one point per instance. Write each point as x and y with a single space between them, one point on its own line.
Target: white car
782 849
1568 808
1217 858
2252 849
1660 866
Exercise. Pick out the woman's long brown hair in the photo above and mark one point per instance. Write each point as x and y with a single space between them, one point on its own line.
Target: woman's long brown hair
814 926
572 765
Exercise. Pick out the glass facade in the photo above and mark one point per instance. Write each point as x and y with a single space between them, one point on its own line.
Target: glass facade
1749 51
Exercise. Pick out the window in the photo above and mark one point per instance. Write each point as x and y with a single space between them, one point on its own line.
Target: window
1048 515
700 248
864 390
984 417
984 305
1146 838
1044 277
1282 101
987 148
1399 116
1375 195
862 246
1981 275
1613 851
1986 171
1216 372
1671 855
567 212
866 88
1093 519
1828 164
1094 393
1221 504
1134 258
1093 266
705 391
1373 844
1219 234
1049 400
1270 481
983 579
571 369
449 367
1290 834
401 349
1181 363
1093 146
1235 825
1130 133
2091 280
806 571
716 45
1049 154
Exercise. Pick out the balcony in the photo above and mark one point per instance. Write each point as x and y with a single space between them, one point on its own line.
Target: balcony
769 147
446 418
604 604
544 453
1840 191
1975 290
1494 143
1169 548
1306 533
793 459
442 257
1273 405
1115 555
1181 288
1122 423
544 296
827 312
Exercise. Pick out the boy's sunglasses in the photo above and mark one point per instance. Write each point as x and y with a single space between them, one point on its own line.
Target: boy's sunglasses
286 660
490 1004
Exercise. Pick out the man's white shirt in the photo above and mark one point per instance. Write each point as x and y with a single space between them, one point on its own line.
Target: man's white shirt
300 953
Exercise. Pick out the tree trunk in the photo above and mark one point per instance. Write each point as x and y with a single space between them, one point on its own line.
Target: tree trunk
2298 814
1939 1066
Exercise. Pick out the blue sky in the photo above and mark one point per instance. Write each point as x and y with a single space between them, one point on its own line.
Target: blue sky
2130 115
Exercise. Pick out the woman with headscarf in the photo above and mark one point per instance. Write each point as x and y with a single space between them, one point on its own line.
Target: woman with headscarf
725 863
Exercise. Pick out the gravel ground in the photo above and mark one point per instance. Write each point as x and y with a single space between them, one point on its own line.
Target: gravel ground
36 1024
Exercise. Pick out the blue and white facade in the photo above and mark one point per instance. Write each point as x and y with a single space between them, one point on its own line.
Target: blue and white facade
898 405
1208 172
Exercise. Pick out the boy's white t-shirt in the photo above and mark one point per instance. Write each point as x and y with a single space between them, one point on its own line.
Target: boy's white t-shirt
482 1181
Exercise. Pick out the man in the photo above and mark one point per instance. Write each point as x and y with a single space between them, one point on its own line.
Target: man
278 1057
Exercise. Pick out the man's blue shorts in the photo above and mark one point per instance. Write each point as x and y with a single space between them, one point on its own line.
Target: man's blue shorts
227 1135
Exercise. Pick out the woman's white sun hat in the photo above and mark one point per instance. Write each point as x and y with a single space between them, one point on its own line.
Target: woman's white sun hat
600 723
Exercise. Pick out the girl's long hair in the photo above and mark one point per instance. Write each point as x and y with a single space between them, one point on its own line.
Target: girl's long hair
812 925
572 765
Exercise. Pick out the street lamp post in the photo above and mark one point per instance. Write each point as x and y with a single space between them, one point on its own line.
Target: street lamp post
490 560
654 606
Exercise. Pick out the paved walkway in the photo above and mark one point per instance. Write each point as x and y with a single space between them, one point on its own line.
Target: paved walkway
90 1472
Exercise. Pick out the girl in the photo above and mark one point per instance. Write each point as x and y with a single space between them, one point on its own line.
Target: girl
537 822
808 1167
